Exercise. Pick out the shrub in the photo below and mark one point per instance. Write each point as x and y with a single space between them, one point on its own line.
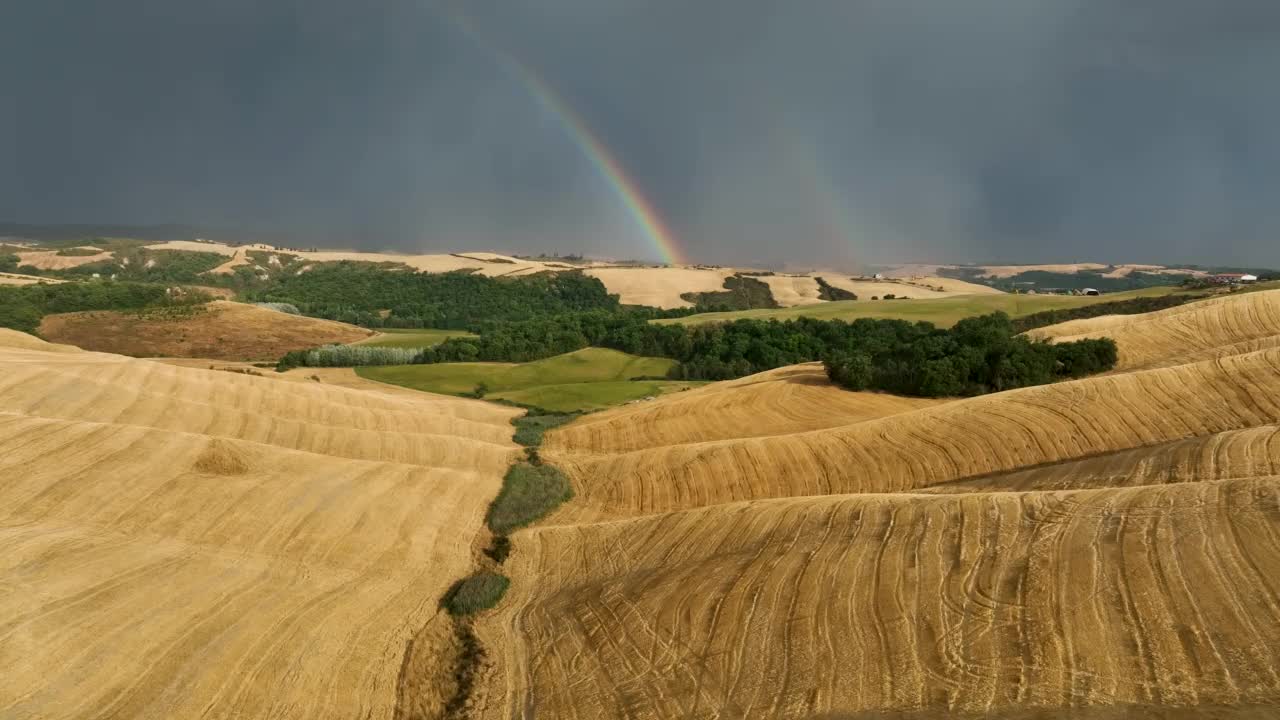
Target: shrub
1086 357
851 371
530 428
499 549
470 595
529 493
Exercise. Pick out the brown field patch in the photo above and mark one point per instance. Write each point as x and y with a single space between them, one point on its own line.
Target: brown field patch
220 330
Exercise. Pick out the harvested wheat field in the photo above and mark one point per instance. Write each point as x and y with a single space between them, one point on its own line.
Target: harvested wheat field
912 450
220 330
659 286
867 289
777 547
779 402
481 263
1202 330
181 543
792 290
51 260
978 605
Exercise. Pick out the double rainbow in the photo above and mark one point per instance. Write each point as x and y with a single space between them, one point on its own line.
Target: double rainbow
656 229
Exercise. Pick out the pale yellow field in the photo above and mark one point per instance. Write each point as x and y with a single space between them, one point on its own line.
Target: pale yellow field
952 286
867 289
239 259
179 543
51 260
1203 330
659 287
792 290
779 402
776 547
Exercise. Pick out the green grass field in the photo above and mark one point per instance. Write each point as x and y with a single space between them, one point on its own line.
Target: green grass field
943 312
413 338
589 379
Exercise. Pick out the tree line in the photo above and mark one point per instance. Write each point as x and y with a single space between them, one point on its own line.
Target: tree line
978 355
375 297
22 307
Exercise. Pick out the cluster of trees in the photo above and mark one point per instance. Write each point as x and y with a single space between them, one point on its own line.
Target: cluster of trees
351 356
976 356
827 291
362 294
22 307
741 292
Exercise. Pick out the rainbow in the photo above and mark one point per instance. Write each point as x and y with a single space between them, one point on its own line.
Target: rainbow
656 229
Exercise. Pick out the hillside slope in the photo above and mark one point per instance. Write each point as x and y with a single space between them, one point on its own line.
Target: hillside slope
776 547
1202 330
912 450
980 605
191 543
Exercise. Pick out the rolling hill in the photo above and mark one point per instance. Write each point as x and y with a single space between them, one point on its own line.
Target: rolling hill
776 547
1202 330
183 543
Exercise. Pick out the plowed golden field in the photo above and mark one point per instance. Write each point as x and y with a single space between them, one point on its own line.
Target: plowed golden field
1204 330
179 542
778 548
185 543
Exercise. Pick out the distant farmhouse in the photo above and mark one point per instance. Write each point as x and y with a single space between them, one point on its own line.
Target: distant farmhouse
1233 278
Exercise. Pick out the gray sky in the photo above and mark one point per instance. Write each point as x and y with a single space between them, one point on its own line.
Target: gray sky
808 131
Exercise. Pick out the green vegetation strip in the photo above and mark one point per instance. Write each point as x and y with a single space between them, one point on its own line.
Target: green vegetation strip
22 307
531 427
529 493
473 594
586 379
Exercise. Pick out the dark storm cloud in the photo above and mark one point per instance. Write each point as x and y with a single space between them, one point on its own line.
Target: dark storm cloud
823 131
